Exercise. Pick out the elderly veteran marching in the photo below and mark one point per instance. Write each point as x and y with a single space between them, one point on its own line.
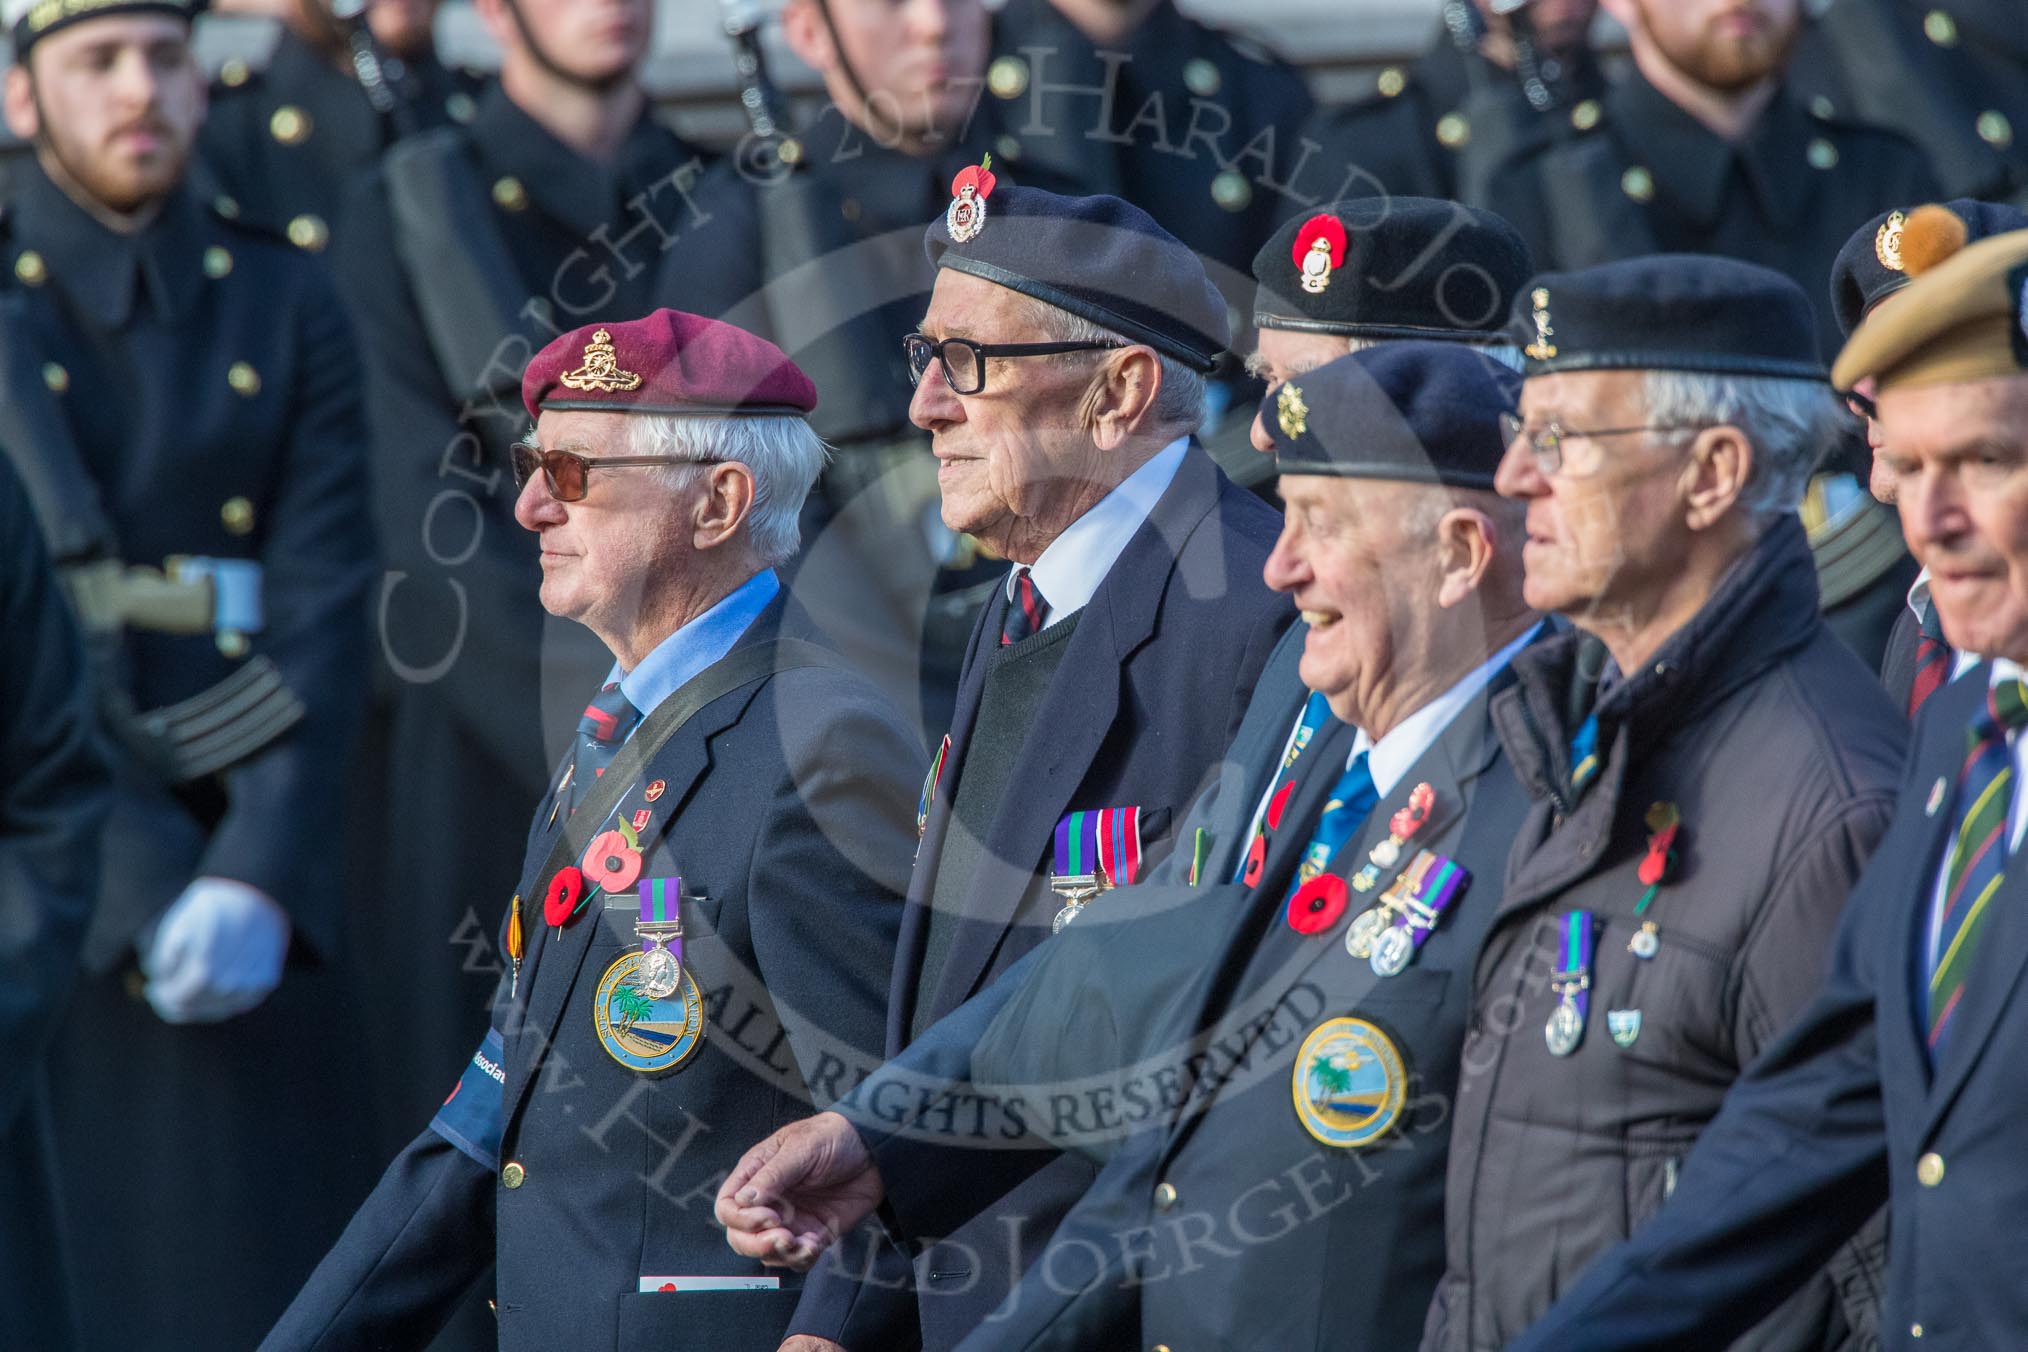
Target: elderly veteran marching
1352 276
700 943
1710 769
178 393
1870 268
1330 988
1900 1082
1059 371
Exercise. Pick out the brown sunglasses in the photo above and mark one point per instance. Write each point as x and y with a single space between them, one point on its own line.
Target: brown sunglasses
568 474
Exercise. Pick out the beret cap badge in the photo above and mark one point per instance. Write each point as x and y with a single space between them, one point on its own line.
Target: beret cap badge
601 368
1541 349
966 215
1887 242
1291 412
1319 248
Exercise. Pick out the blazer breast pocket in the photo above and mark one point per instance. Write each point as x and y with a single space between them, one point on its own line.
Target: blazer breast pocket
710 1321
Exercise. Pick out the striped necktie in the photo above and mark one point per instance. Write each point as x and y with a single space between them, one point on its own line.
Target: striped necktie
600 733
1025 609
1978 854
1933 661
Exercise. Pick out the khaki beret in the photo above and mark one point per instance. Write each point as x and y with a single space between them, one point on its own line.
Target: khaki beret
1963 315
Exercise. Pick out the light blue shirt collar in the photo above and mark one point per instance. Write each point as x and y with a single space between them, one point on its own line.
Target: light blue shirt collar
697 644
1069 572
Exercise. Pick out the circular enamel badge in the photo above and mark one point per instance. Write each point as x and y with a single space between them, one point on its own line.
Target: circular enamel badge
640 1031
1349 1083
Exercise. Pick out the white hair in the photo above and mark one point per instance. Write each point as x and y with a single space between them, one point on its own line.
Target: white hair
1790 422
780 450
1180 401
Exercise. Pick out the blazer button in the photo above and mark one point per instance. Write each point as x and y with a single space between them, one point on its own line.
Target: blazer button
1929 1170
513 1175
1165 1196
1915 1330
1159 1347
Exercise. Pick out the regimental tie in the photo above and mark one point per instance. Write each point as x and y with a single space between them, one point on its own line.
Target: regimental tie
1978 855
1584 762
1025 609
600 734
1315 713
1933 662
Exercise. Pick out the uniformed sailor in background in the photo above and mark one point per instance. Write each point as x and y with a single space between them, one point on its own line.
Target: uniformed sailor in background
286 141
1710 770
702 934
53 798
1918 660
181 396
469 249
1498 77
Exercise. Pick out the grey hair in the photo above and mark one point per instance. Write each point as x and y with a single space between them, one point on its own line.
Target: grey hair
1790 422
1179 403
780 450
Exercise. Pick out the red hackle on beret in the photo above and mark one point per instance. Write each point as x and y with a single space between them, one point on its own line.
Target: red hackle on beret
667 362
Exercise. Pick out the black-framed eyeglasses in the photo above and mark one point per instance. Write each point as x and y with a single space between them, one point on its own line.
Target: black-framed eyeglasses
1546 442
1861 406
964 361
568 474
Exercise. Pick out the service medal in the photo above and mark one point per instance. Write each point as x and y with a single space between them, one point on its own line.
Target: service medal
1359 939
649 1034
1070 912
1646 942
1392 952
1565 1029
660 974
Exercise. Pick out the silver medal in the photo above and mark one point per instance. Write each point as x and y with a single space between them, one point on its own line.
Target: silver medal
1365 930
1565 1029
1391 954
1645 944
660 974
1065 916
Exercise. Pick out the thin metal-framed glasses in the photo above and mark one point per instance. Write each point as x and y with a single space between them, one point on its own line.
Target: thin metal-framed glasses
1546 442
964 361
568 474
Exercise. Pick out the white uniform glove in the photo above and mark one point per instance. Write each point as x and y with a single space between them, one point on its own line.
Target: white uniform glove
217 952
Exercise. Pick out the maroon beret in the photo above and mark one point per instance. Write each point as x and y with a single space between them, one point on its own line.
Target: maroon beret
667 362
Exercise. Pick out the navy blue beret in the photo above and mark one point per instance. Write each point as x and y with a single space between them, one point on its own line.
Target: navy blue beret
1668 312
1097 257
1868 269
1392 267
1423 412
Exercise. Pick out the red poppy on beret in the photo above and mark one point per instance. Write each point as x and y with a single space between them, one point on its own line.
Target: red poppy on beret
668 362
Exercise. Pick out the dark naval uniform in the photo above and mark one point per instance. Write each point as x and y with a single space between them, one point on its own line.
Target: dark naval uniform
467 248
1441 127
284 143
189 392
765 805
53 795
1195 126
1951 75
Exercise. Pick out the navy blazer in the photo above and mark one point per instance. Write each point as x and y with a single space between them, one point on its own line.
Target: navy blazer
788 810
1843 1111
1155 680
1201 997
